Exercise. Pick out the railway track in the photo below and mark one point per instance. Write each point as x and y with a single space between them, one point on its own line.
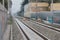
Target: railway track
47 26
46 32
30 33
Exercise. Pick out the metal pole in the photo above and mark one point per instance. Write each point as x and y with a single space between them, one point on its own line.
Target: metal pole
52 10
29 6
3 2
51 5
36 9
8 6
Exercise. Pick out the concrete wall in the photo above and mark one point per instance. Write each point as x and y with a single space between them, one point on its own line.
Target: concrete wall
3 19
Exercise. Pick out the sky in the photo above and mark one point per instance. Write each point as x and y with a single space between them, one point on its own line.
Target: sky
16 4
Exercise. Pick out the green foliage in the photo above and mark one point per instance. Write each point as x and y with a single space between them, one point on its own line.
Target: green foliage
56 1
5 2
0 1
49 1
10 20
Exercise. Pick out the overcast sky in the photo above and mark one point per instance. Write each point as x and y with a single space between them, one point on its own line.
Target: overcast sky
16 4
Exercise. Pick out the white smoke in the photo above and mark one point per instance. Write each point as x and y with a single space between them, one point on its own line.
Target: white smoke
16 6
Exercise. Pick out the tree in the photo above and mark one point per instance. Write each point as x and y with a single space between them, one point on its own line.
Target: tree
6 3
56 1
25 2
0 1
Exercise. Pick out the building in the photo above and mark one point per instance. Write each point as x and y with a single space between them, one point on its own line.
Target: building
42 10
55 6
33 7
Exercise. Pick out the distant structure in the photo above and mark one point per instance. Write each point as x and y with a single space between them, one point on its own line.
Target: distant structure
42 9
35 6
